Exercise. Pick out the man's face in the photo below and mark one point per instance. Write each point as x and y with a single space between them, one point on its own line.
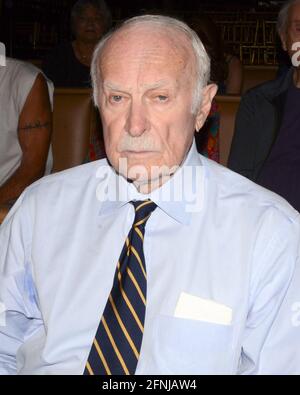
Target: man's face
146 98
89 26
293 30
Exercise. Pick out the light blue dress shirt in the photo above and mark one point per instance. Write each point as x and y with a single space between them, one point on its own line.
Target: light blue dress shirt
214 236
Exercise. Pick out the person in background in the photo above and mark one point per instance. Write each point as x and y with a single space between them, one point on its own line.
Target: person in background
226 72
156 260
25 127
226 68
266 142
68 65
207 140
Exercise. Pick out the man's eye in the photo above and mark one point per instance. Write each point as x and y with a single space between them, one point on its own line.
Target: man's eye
162 98
116 98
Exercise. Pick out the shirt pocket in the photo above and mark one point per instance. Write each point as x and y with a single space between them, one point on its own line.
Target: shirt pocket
184 346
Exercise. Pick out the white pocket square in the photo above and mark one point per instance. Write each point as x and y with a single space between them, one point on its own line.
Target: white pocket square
195 308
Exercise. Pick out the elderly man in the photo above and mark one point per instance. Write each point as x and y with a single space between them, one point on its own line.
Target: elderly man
266 142
158 261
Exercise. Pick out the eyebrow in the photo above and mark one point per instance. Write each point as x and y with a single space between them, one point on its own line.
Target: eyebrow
155 85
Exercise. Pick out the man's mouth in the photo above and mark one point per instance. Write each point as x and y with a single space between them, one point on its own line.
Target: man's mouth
138 152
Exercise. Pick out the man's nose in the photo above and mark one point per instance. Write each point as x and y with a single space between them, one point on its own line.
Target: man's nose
136 123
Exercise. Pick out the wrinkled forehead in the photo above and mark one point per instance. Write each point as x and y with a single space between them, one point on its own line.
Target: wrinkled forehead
147 45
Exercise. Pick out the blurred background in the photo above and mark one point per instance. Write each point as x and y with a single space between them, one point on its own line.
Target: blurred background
30 28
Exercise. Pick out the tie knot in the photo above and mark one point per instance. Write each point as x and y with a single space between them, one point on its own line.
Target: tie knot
143 210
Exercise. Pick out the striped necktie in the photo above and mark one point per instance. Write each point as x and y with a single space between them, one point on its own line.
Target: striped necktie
116 346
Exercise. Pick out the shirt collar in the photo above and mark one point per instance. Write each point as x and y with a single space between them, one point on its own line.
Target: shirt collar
178 197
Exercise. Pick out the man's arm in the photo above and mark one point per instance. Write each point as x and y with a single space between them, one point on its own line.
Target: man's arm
281 351
34 131
19 313
272 333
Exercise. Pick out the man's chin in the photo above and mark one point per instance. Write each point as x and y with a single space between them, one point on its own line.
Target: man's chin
142 172
136 174
140 157
140 166
145 180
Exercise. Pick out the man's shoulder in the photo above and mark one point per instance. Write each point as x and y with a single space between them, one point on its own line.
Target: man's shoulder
21 69
79 178
18 79
270 89
243 193
65 192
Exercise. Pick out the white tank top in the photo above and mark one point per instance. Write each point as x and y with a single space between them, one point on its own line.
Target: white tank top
16 81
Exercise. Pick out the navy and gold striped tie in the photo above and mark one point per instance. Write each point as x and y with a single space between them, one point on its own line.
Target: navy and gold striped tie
116 346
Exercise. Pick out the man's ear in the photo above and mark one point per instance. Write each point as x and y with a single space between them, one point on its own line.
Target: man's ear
208 94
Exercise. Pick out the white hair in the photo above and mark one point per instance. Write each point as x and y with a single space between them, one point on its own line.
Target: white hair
202 58
283 16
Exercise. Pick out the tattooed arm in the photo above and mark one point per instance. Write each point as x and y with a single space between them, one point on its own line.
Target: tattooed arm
34 131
